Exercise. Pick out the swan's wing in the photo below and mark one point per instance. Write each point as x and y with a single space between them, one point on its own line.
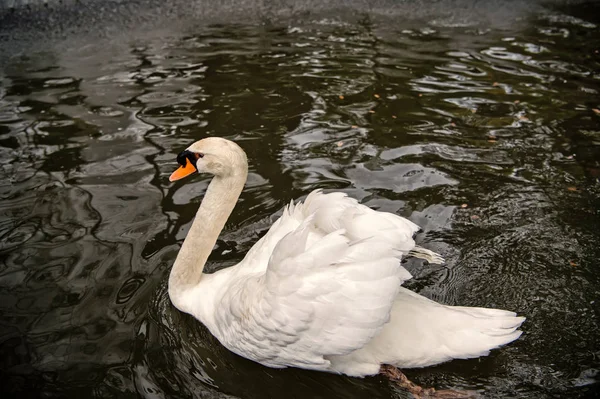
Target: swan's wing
328 289
331 212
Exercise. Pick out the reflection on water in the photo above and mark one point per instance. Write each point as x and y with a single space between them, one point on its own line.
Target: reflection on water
488 138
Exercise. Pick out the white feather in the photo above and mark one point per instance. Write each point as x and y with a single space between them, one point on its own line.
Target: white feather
322 290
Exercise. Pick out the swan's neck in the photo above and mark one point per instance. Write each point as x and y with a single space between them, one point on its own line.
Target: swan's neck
218 203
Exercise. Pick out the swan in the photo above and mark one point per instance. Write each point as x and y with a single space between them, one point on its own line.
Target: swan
322 289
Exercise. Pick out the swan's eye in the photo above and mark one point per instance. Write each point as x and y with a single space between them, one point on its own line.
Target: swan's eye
186 155
181 158
199 155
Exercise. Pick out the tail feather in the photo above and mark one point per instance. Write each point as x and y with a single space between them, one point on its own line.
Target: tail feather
485 312
422 332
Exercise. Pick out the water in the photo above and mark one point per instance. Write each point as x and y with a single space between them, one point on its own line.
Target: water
487 135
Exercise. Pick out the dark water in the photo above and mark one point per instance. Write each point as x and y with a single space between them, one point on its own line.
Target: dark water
488 136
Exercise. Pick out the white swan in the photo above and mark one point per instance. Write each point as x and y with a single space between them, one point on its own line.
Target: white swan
322 289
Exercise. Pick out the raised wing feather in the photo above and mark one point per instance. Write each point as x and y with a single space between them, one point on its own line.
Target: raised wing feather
332 276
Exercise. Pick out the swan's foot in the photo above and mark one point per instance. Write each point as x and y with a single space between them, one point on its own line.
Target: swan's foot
397 377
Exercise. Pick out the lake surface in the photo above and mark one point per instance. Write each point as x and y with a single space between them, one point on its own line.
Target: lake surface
486 134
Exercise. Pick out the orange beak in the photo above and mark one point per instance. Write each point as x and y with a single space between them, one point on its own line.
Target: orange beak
182 171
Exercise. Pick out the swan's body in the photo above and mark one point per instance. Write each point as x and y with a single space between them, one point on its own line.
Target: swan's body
322 289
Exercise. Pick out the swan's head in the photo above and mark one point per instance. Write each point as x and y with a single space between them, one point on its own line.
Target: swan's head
214 155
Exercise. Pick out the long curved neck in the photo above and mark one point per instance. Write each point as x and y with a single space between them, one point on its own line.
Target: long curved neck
218 203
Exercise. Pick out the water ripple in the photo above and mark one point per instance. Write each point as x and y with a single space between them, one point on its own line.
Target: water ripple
486 137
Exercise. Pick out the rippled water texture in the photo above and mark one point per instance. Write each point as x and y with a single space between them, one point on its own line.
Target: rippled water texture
488 137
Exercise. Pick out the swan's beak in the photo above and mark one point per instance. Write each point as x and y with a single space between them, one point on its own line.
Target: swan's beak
182 171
